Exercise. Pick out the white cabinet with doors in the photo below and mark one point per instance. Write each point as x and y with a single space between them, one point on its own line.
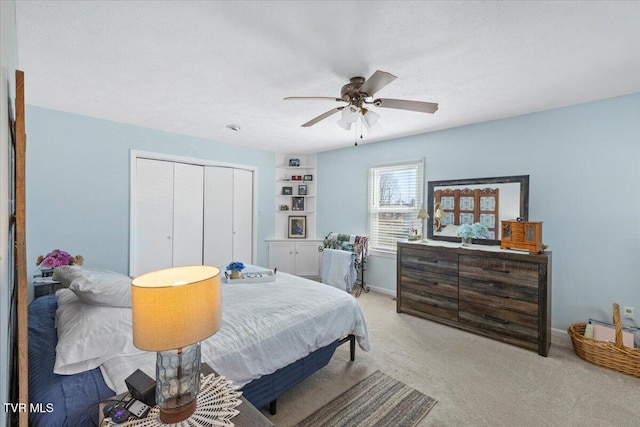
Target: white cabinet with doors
184 213
299 257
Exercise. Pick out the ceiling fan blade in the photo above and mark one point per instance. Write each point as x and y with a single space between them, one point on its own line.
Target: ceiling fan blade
321 117
403 104
377 81
297 98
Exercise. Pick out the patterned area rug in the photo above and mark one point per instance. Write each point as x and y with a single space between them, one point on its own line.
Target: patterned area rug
378 400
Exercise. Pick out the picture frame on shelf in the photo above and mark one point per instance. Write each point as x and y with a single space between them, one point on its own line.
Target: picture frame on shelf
296 177
297 203
297 227
307 178
302 190
294 162
287 191
284 207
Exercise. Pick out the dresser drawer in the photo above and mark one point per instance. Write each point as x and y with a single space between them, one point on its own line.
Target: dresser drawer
519 326
500 295
421 301
427 281
420 259
521 273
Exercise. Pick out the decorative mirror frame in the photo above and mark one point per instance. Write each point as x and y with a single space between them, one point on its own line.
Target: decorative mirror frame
523 180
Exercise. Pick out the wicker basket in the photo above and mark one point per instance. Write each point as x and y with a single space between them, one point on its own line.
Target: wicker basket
610 355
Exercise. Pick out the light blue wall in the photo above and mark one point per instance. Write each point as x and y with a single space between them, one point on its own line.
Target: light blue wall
8 65
78 183
584 167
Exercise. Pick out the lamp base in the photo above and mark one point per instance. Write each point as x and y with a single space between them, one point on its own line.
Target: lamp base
176 414
177 382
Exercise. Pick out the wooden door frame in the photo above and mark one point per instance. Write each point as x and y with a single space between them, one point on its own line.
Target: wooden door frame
20 260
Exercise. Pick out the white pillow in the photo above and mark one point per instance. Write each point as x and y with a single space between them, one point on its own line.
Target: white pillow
88 335
103 287
65 274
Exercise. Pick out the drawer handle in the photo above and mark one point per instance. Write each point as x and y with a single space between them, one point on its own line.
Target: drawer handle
432 261
497 271
495 319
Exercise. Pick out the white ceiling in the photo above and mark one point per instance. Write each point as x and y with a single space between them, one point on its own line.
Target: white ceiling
194 67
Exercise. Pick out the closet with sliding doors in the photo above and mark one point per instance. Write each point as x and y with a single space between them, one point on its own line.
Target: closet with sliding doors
189 212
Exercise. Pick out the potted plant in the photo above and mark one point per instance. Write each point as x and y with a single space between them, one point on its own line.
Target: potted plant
56 258
235 267
472 231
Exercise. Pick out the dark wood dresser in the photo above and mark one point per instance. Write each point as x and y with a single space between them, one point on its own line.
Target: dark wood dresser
497 293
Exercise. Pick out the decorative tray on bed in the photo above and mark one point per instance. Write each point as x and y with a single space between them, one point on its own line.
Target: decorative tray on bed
253 277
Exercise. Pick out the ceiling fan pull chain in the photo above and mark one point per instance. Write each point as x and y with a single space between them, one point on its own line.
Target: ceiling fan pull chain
355 134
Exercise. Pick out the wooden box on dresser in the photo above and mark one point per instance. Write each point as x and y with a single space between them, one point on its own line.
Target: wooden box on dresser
501 294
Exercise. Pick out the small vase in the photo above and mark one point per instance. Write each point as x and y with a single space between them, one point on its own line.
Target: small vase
466 242
235 274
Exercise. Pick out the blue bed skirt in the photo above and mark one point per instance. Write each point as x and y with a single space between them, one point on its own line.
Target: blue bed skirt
74 398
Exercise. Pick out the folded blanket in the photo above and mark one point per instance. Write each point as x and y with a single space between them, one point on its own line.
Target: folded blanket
338 269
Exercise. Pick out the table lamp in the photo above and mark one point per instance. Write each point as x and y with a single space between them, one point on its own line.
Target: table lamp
422 215
172 311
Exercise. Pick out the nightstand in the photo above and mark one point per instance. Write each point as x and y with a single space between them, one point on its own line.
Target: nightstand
248 416
44 286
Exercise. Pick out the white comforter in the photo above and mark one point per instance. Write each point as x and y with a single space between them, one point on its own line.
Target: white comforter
265 326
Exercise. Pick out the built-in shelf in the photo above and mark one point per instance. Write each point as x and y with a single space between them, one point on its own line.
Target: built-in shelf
283 178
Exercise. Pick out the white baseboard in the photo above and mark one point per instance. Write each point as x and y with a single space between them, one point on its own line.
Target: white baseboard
560 337
381 290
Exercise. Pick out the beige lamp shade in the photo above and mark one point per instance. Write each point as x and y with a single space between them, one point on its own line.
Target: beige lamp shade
175 307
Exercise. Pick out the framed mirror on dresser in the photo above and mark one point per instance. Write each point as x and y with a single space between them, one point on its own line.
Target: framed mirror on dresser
451 203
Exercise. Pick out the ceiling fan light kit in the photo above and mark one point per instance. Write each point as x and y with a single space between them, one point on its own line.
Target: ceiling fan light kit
358 92
350 114
344 125
369 117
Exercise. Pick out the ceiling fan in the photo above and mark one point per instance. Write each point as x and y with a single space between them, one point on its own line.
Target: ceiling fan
358 93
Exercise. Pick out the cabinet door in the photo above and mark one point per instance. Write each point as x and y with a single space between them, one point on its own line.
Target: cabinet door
187 214
152 231
243 215
218 216
307 258
281 256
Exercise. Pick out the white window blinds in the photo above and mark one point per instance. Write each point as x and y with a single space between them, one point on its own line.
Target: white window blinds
395 197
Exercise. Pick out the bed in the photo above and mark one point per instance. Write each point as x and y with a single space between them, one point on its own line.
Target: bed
273 336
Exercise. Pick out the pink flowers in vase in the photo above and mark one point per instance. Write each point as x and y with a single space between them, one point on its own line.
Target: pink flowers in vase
56 258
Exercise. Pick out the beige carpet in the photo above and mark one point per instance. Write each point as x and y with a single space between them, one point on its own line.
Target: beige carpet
476 381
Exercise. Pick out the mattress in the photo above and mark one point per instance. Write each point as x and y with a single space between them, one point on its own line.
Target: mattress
72 400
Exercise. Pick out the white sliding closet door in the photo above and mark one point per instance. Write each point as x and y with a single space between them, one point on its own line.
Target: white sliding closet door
243 215
189 214
218 216
228 216
167 229
153 220
188 184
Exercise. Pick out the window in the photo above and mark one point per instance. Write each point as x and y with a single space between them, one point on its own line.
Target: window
395 197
